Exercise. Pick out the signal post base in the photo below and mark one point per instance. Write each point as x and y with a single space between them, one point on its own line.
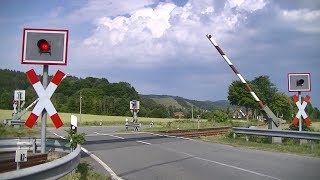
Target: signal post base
271 125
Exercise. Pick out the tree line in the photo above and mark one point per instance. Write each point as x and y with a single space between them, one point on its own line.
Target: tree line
99 96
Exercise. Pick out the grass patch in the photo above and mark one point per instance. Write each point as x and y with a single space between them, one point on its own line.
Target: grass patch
289 145
83 172
193 124
6 131
183 124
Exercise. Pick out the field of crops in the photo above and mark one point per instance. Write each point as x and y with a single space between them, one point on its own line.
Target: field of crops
87 119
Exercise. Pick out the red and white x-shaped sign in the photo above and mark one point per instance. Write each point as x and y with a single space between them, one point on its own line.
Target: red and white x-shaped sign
301 111
44 98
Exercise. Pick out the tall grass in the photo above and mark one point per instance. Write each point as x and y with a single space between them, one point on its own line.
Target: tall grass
85 171
6 131
289 145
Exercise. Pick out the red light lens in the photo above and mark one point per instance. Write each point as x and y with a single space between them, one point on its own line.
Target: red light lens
43 45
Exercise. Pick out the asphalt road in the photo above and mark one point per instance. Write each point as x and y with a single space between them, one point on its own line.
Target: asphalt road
150 156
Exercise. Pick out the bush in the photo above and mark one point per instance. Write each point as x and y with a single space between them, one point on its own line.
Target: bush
75 139
219 116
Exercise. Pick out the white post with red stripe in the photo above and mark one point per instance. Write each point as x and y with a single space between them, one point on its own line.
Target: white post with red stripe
301 112
44 98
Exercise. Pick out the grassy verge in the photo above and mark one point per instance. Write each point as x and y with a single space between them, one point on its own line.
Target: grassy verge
84 171
193 124
259 142
6 131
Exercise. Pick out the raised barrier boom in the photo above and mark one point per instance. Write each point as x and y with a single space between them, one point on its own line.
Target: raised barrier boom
271 116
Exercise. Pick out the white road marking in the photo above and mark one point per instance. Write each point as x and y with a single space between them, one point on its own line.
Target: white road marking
104 165
144 142
105 134
195 157
58 135
131 132
223 164
89 135
215 162
170 136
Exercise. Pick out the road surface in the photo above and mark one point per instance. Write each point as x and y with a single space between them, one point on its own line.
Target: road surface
138 155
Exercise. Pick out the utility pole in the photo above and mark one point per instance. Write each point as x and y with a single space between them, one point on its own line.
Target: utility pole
80 105
192 111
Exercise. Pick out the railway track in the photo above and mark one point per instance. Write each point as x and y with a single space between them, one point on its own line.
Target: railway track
197 132
7 161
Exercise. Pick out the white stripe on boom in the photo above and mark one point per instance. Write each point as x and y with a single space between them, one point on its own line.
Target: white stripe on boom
241 78
255 96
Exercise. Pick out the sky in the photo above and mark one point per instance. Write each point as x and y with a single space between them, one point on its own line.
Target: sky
160 47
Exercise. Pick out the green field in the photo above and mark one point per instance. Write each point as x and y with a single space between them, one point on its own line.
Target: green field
159 123
88 119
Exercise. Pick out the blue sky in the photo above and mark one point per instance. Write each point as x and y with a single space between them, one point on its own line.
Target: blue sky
160 46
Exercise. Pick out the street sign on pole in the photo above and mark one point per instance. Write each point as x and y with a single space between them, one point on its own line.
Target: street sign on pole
44 98
134 104
299 82
44 46
74 123
19 95
301 111
21 155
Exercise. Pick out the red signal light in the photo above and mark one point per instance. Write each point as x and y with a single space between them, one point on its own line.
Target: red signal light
44 46
300 82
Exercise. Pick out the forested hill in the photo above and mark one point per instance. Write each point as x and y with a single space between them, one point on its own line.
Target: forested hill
183 103
99 96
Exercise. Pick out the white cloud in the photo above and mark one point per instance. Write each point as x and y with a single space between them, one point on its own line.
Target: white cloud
303 19
118 39
96 8
166 31
208 10
247 5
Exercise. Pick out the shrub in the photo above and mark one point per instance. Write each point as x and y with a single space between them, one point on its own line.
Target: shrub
75 139
219 116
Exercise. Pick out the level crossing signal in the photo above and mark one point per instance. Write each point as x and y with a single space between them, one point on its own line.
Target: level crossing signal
44 98
300 82
44 46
